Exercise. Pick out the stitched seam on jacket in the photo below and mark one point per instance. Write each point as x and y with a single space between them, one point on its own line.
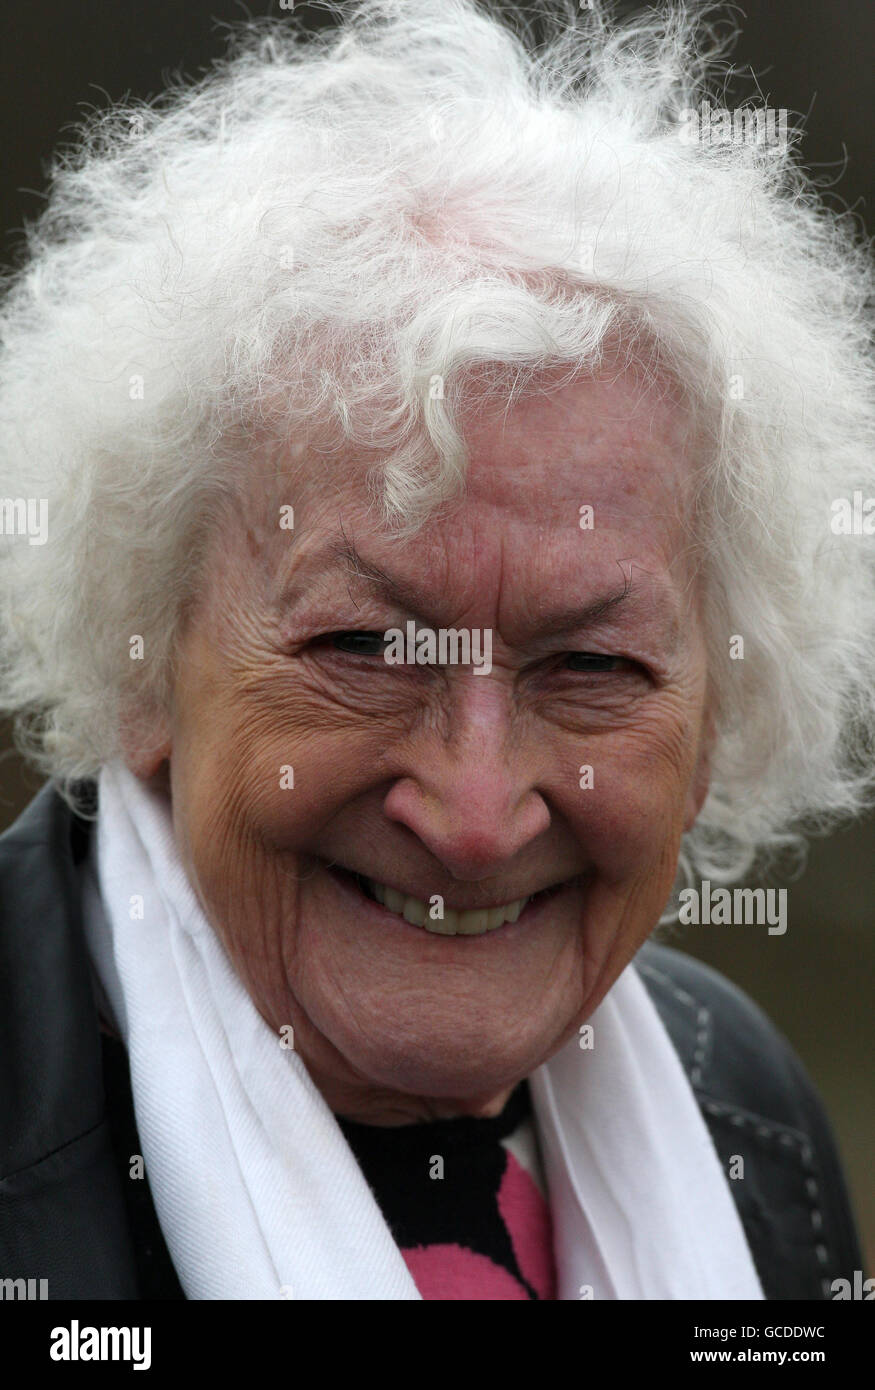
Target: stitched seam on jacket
46 1158
791 1140
703 1019
768 1132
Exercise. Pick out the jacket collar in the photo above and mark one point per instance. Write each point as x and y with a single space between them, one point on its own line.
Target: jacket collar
60 1194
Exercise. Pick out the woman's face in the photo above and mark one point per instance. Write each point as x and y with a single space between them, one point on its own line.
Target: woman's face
442 781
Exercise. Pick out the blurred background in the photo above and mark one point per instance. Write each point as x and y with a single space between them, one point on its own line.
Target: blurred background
816 982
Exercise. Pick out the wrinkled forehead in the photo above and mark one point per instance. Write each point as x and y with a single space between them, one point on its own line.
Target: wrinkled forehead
625 443
627 437
562 486
572 497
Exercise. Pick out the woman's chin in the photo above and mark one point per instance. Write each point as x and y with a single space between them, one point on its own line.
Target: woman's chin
470 1066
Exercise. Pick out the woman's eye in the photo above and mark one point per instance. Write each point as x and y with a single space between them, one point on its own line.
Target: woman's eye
594 661
358 643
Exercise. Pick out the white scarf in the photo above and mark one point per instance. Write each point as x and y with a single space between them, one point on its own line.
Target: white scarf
256 1190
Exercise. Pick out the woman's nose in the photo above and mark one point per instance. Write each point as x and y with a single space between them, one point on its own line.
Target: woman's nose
472 800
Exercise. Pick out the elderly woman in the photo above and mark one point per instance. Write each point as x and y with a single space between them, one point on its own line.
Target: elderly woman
419 460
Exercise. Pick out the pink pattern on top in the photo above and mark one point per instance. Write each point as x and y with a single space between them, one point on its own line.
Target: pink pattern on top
452 1271
526 1215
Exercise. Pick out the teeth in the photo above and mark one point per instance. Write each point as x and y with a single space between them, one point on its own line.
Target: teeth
414 912
475 922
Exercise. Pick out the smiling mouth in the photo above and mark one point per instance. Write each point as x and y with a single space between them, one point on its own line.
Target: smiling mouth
451 921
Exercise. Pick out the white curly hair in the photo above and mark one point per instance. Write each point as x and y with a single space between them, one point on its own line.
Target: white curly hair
295 245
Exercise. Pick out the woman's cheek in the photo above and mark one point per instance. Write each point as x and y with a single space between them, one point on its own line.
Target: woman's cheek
626 812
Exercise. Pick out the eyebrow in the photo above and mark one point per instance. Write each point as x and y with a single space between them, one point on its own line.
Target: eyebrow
404 595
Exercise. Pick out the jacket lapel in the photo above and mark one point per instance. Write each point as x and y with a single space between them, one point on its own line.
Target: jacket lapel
59 1189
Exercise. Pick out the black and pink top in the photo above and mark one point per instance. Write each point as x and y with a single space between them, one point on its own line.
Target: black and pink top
465 1202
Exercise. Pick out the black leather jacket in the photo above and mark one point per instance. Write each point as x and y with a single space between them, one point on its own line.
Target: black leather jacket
70 1214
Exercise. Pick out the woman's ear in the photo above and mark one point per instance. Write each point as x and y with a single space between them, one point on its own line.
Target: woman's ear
145 739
